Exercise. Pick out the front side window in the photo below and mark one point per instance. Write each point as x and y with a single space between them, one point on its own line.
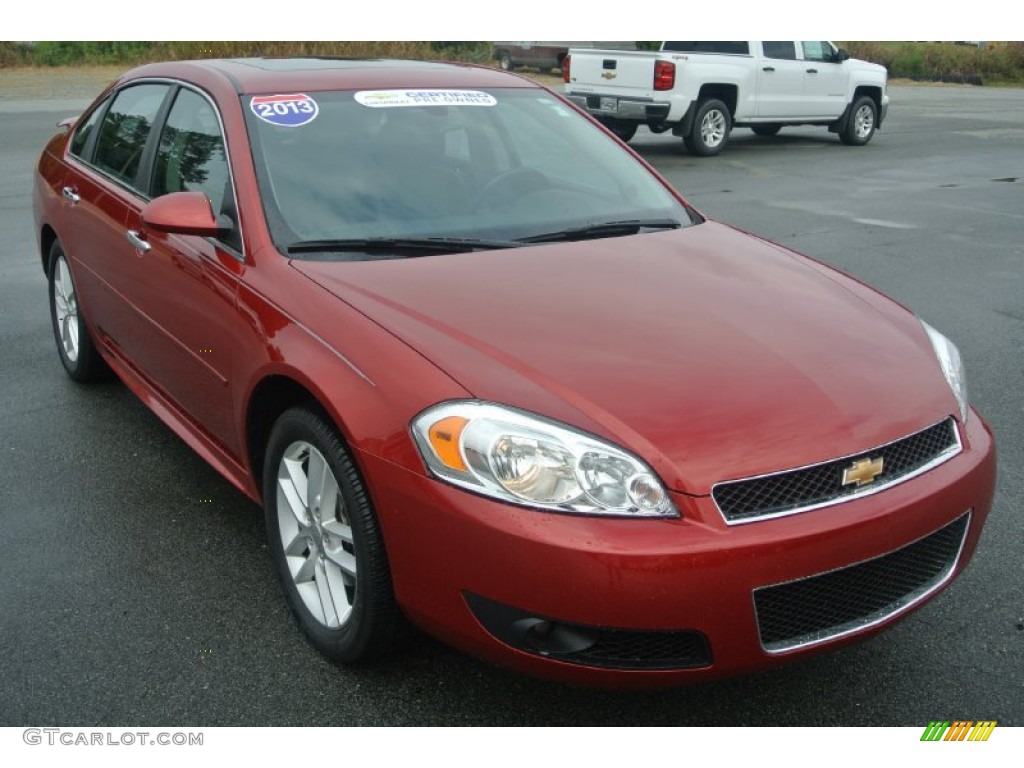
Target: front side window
503 165
818 50
125 128
190 156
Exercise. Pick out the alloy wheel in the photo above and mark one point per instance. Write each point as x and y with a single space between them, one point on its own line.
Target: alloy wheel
66 305
316 534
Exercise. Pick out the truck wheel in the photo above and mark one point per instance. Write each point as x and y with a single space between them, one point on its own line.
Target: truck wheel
504 61
861 125
623 130
711 127
766 129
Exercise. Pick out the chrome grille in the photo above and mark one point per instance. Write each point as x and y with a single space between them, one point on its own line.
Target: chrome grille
819 485
828 605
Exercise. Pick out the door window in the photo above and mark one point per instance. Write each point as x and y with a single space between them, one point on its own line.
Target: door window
126 128
818 50
785 49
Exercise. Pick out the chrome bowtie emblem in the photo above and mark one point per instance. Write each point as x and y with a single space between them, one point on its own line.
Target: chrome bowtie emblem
863 472
608 75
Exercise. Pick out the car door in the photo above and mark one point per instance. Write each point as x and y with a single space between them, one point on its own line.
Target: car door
188 284
824 79
780 81
100 188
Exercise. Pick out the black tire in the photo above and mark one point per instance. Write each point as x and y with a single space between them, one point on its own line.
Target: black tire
624 130
504 61
77 352
344 558
711 128
862 122
766 129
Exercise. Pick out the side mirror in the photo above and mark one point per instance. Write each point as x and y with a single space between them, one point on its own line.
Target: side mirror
842 55
182 213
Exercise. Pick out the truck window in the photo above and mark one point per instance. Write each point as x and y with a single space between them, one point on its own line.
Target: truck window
706 46
785 49
818 50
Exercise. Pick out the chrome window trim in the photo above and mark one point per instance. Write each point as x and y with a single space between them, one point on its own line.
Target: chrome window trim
869 490
904 604
137 193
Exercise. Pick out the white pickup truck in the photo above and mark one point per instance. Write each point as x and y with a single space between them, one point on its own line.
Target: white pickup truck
702 90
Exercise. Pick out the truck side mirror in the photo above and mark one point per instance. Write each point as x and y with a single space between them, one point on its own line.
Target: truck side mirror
842 55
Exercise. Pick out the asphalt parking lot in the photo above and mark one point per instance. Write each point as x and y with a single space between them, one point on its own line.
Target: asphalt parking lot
136 583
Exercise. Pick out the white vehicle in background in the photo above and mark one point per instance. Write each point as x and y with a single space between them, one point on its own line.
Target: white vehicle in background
702 90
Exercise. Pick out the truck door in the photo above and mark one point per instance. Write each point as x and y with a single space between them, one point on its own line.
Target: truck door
780 81
824 79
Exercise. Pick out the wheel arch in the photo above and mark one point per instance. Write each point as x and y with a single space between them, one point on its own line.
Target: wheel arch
274 394
728 94
47 237
874 91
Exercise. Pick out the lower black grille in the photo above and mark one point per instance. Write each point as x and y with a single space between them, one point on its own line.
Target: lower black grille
605 647
627 649
834 603
788 491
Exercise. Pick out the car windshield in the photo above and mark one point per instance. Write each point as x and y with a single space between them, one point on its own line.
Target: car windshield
344 174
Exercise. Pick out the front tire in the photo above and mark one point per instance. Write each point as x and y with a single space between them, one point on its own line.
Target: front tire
862 123
326 542
77 352
711 127
504 61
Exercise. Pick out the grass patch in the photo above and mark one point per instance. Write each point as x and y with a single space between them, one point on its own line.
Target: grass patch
995 63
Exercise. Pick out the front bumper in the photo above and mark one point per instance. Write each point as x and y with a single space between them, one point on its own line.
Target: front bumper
449 549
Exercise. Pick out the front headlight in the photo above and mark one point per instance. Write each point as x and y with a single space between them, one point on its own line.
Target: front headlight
525 459
952 367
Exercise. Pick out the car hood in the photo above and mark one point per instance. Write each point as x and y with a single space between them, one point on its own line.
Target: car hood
708 352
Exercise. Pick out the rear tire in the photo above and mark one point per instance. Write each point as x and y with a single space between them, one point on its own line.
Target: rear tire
766 129
625 131
77 352
711 127
504 61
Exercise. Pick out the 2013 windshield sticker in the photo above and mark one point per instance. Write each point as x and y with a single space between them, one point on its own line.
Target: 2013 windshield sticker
423 97
290 109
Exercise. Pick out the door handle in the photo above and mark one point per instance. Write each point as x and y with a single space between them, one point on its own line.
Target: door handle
767 69
137 240
70 195
812 71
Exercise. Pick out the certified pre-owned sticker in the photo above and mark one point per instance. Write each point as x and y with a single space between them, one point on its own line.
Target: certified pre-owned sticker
287 109
424 97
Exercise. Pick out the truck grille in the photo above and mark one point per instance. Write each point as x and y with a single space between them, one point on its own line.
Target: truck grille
797 490
828 605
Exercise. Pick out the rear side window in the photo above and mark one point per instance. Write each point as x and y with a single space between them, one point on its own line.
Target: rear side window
708 46
84 130
785 49
125 128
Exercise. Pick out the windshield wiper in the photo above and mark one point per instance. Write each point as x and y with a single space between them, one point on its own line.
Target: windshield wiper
604 229
413 246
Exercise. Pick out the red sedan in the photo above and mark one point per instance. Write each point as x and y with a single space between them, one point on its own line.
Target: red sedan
490 374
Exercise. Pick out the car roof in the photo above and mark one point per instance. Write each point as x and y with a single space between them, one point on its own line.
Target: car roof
281 75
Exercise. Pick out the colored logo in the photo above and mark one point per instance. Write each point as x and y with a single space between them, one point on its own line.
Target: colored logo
288 110
959 730
863 472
